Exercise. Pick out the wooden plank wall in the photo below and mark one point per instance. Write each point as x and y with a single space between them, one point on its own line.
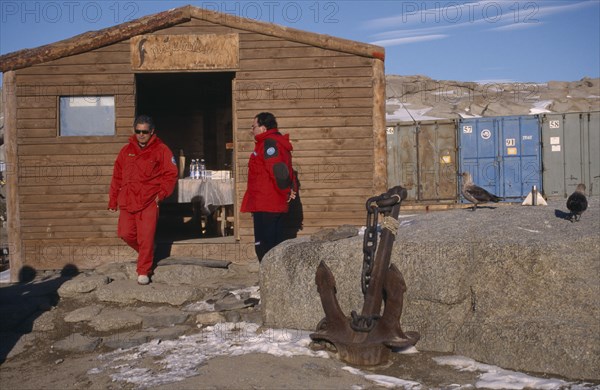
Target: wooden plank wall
322 98
324 101
63 181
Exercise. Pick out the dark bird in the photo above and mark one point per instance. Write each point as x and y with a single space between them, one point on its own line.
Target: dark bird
577 203
474 193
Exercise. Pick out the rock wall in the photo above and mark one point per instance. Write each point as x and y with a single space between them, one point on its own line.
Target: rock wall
513 286
421 98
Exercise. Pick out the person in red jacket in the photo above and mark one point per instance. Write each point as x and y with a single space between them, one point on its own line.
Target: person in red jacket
144 174
271 182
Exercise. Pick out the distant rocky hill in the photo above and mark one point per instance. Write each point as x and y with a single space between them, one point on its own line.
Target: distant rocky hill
421 98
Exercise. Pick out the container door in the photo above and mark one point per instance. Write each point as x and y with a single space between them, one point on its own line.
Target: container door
571 152
520 150
574 156
402 158
437 160
553 139
593 131
479 152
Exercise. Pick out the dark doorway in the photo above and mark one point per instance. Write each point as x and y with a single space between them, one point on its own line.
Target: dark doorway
193 116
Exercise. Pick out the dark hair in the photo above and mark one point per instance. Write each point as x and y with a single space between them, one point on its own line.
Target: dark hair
144 119
267 120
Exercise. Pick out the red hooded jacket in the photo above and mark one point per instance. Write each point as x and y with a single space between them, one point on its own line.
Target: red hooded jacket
270 174
139 175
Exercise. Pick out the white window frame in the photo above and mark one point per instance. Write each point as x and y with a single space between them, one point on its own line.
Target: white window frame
86 123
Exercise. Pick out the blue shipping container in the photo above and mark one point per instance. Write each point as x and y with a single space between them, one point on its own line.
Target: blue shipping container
503 154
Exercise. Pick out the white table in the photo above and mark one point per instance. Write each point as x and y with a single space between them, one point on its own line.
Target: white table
213 196
209 192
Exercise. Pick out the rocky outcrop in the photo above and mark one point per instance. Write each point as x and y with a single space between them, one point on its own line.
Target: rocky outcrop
128 291
514 286
106 308
422 98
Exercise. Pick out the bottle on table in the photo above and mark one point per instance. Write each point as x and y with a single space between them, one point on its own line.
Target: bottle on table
193 168
202 169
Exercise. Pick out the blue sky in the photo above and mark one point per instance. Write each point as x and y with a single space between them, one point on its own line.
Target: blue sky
503 40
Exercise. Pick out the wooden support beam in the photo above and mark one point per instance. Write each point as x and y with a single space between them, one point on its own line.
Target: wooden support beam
379 129
9 98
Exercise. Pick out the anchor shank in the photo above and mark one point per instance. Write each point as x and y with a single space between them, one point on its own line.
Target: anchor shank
374 294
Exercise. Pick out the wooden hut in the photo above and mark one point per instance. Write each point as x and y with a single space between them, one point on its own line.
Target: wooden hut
202 75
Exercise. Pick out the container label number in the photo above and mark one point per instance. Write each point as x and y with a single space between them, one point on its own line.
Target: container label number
486 134
555 124
390 130
511 142
468 129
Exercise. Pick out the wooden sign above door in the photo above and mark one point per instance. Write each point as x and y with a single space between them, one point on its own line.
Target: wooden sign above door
185 52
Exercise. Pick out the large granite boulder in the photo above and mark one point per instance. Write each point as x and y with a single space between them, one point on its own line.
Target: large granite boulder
512 285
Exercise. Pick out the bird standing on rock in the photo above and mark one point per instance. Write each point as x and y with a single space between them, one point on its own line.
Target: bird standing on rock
474 193
577 203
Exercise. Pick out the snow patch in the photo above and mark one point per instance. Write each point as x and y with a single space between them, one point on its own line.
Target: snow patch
179 359
494 377
385 380
540 107
405 114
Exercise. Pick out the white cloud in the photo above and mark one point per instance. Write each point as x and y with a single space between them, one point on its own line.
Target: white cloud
547 9
489 11
500 16
407 40
425 13
515 26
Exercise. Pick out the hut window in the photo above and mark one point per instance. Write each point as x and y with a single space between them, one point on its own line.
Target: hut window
87 115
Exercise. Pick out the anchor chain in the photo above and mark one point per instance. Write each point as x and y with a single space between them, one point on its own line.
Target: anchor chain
370 240
361 323
369 244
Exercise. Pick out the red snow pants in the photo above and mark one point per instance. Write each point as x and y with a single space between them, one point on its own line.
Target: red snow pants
137 230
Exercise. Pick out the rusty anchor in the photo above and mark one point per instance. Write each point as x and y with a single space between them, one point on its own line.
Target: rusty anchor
366 339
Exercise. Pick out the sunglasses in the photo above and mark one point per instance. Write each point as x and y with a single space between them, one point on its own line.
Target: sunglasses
142 131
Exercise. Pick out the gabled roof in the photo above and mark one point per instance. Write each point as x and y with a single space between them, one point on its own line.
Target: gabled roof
96 39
